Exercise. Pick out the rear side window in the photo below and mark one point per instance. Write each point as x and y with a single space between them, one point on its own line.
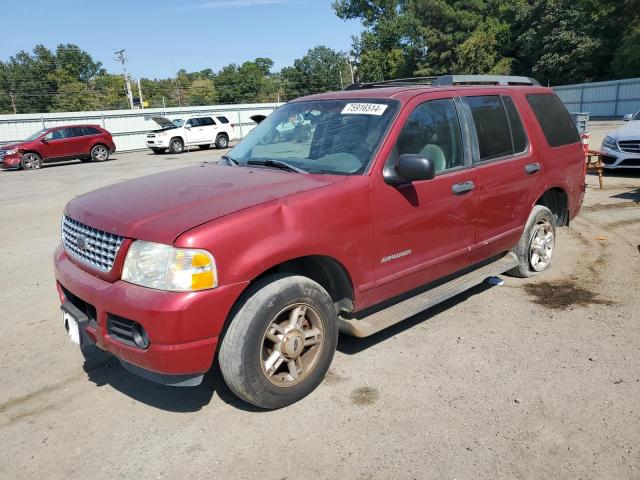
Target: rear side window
206 121
91 131
73 132
492 126
554 119
224 120
517 130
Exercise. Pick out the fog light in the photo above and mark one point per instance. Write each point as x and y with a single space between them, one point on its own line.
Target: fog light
140 336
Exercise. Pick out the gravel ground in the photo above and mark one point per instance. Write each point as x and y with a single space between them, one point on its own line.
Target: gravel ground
534 379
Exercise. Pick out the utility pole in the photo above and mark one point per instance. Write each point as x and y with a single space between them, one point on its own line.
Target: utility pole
13 102
341 82
121 57
140 95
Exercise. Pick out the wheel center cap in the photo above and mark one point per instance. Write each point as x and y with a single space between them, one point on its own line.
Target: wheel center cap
292 344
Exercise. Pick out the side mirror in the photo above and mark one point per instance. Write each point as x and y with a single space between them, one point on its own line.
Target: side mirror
187 126
628 117
44 140
409 168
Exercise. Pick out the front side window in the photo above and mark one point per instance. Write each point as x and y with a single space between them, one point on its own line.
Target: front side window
433 131
56 135
555 121
193 122
492 126
322 136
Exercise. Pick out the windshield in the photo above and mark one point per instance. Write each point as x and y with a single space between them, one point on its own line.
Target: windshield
322 136
177 123
35 135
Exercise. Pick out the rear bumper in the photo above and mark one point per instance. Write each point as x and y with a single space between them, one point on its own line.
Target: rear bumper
183 328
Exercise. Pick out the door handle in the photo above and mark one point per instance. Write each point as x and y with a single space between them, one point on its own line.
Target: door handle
461 188
532 168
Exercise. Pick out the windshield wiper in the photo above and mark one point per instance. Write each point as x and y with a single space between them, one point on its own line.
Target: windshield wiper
230 161
277 164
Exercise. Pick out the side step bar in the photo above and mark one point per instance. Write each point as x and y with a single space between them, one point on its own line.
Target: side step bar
407 308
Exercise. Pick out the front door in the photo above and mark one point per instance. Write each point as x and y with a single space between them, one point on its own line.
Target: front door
57 145
195 131
426 230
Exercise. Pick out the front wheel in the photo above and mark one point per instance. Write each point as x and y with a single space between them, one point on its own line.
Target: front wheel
176 145
280 342
99 153
537 244
31 161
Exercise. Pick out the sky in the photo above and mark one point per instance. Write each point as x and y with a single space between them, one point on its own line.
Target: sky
163 36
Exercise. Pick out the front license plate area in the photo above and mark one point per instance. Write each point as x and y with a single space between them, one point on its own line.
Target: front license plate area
71 326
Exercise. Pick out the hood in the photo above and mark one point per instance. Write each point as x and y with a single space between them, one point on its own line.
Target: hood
630 131
164 122
160 207
11 146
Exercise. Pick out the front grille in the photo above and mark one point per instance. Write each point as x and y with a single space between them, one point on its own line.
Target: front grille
151 135
91 246
630 146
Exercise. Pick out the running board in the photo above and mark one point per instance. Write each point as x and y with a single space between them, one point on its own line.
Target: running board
408 308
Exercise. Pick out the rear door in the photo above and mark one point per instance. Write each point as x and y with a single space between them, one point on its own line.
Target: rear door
509 172
426 230
210 129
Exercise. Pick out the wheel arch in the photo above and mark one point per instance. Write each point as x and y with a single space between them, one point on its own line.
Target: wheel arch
556 200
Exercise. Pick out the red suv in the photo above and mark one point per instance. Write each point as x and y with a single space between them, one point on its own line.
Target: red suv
89 143
347 211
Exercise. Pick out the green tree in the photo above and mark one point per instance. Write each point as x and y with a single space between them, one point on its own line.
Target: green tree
320 70
202 92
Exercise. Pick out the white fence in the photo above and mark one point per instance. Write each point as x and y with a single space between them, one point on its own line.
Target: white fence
128 127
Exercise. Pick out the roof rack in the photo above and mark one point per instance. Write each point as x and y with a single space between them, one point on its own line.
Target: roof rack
448 80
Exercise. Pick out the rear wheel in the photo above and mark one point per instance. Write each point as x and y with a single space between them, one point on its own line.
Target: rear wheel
99 153
222 141
537 244
31 161
158 151
176 145
280 342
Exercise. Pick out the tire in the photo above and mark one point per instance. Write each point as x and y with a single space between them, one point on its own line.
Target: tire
204 147
261 371
222 141
158 151
176 145
99 153
31 161
537 244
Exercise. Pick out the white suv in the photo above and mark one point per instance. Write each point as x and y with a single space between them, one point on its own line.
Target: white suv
202 131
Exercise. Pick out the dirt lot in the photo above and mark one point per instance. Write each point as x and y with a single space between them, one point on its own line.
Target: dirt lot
534 379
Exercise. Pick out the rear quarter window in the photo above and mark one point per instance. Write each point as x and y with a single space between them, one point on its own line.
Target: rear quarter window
554 119
223 119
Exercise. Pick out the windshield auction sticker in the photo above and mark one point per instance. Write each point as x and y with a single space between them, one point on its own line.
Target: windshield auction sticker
364 109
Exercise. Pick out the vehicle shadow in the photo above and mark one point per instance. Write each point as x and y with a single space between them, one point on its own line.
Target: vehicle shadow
70 163
352 345
633 195
104 369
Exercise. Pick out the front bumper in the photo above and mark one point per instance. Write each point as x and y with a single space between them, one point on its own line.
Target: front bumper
619 159
157 142
10 161
183 328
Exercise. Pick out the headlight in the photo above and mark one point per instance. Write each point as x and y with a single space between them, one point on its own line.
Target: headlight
163 267
610 142
11 152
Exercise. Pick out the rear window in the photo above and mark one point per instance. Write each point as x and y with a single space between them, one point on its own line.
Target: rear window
554 119
492 126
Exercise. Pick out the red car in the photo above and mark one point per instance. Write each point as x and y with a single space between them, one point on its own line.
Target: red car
347 211
89 143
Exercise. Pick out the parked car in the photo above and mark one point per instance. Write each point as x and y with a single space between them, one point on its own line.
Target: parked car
621 148
89 143
402 196
202 131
